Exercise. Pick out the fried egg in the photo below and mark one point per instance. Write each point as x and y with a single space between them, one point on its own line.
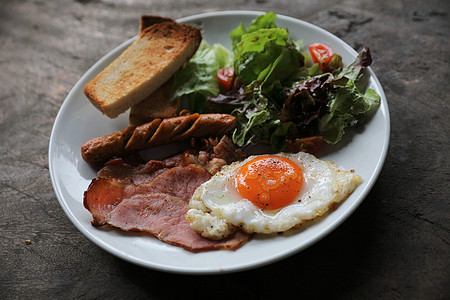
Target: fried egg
268 194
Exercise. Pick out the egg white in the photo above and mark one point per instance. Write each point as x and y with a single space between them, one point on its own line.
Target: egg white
217 209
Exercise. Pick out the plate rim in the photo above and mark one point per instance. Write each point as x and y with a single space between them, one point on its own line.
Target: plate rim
209 271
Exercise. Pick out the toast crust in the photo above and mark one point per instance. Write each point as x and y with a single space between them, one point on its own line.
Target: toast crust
159 51
149 20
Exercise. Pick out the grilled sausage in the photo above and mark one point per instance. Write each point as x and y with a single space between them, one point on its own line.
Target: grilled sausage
155 133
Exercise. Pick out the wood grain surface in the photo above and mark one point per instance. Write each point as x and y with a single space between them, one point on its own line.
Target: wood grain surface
396 244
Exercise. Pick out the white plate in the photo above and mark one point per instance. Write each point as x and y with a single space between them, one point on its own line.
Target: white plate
78 121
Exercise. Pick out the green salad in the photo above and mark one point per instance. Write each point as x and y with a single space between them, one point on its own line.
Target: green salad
282 94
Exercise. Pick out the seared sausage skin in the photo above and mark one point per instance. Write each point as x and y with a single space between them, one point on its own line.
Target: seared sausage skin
155 133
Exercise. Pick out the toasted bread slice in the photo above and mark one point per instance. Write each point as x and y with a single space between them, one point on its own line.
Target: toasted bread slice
144 66
157 105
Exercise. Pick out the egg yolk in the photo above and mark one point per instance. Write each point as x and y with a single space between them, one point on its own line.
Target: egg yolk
269 181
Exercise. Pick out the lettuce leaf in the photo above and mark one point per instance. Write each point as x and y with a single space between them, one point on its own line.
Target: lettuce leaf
198 78
257 116
348 105
265 55
266 59
346 109
354 70
261 22
325 105
253 113
307 101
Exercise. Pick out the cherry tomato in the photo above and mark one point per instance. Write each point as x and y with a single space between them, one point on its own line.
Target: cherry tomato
226 77
321 53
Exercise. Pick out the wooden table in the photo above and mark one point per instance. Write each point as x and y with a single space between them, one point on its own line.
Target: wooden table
396 244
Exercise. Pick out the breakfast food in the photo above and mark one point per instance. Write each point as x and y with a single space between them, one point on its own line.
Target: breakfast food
157 132
149 20
154 197
268 194
291 96
267 90
159 103
159 51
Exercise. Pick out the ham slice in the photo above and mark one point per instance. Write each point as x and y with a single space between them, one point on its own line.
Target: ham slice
180 182
163 216
153 198
116 181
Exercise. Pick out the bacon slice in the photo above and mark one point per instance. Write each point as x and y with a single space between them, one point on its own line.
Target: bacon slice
153 198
